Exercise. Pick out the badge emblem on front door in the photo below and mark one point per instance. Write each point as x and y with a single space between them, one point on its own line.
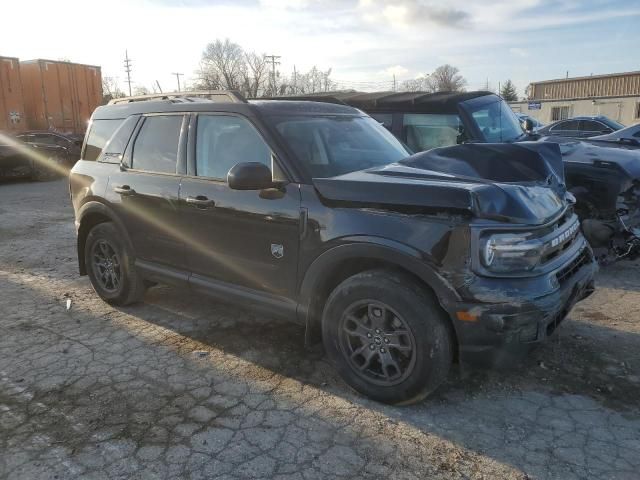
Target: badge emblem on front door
277 250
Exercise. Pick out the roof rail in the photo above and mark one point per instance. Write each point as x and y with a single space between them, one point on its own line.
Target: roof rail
222 96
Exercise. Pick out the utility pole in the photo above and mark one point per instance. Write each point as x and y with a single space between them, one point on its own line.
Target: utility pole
394 82
295 80
127 68
274 61
159 87
178 78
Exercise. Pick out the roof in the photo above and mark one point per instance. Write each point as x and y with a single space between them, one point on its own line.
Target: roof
571 79
123 110
64 62
441 102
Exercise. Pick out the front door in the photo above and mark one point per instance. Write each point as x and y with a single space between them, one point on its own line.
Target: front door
247 238
145 191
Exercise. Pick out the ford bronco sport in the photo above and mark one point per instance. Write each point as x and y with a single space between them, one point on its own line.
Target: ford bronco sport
315 212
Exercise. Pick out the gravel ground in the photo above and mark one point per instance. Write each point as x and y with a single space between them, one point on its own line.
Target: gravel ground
184 387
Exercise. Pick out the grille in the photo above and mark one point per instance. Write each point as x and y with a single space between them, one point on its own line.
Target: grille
567 272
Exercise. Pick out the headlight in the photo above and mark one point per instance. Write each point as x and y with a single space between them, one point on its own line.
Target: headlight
511 252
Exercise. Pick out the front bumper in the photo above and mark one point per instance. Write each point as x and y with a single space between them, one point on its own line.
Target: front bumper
499 332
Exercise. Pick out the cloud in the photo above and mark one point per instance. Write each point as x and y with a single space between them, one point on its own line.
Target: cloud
409 13
397 70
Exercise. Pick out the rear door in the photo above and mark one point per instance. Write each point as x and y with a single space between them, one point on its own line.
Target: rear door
246 238
145 189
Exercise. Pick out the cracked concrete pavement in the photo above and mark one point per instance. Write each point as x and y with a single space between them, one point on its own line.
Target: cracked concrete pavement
185 387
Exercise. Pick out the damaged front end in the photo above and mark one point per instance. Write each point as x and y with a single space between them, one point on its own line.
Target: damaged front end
618 237
515 256
606 184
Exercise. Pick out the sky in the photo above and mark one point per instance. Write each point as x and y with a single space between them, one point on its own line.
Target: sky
364 42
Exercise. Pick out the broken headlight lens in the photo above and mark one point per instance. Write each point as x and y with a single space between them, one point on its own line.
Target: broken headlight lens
511 252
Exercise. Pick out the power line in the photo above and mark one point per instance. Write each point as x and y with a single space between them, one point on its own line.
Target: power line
178 78
274 59
127 68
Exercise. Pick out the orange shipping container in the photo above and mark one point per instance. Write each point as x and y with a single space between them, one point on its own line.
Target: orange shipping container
60 95
11 101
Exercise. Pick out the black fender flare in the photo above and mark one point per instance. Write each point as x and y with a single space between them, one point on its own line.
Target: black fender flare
89 208
369 248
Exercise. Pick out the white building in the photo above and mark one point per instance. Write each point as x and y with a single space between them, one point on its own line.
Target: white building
615 95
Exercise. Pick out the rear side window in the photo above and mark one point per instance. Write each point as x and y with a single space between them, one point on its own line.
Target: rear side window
100 132
426 131
156 146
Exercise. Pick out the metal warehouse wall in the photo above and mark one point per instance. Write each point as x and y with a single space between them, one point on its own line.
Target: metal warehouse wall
615 85
625 110
60 95
12 116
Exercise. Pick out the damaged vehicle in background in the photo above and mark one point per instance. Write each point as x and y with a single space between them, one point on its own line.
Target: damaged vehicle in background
604 180
314 212
37 155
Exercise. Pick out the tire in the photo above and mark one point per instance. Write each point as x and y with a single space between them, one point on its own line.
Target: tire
411 324
108 257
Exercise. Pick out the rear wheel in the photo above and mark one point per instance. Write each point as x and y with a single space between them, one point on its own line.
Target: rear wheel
110 266
387 336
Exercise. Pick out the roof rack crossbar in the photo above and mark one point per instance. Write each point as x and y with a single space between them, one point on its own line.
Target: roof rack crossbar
223 96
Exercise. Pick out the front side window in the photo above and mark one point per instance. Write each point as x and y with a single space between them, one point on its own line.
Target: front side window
224 141
331 145
100 132
593 126
427 131
156 146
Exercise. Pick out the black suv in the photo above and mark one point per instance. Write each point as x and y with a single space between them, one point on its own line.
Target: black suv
315 212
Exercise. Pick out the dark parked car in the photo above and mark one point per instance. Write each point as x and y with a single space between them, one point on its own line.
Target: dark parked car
39 155
69 144
605 180
581 127
298 209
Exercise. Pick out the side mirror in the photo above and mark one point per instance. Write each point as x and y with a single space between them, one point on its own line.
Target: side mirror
250 176
527 124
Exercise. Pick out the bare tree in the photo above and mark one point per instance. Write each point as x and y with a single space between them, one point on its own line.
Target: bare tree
225 61
446 78
110 89
419 84
255 74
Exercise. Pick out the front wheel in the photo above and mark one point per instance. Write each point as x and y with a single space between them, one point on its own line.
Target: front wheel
387 336
110 266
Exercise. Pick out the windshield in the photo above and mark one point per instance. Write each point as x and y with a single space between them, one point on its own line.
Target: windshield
495 120
328 146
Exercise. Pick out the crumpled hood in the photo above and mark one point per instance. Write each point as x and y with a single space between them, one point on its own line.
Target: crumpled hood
524 184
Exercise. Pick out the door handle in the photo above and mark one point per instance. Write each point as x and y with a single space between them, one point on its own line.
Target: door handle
200 202
124 190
